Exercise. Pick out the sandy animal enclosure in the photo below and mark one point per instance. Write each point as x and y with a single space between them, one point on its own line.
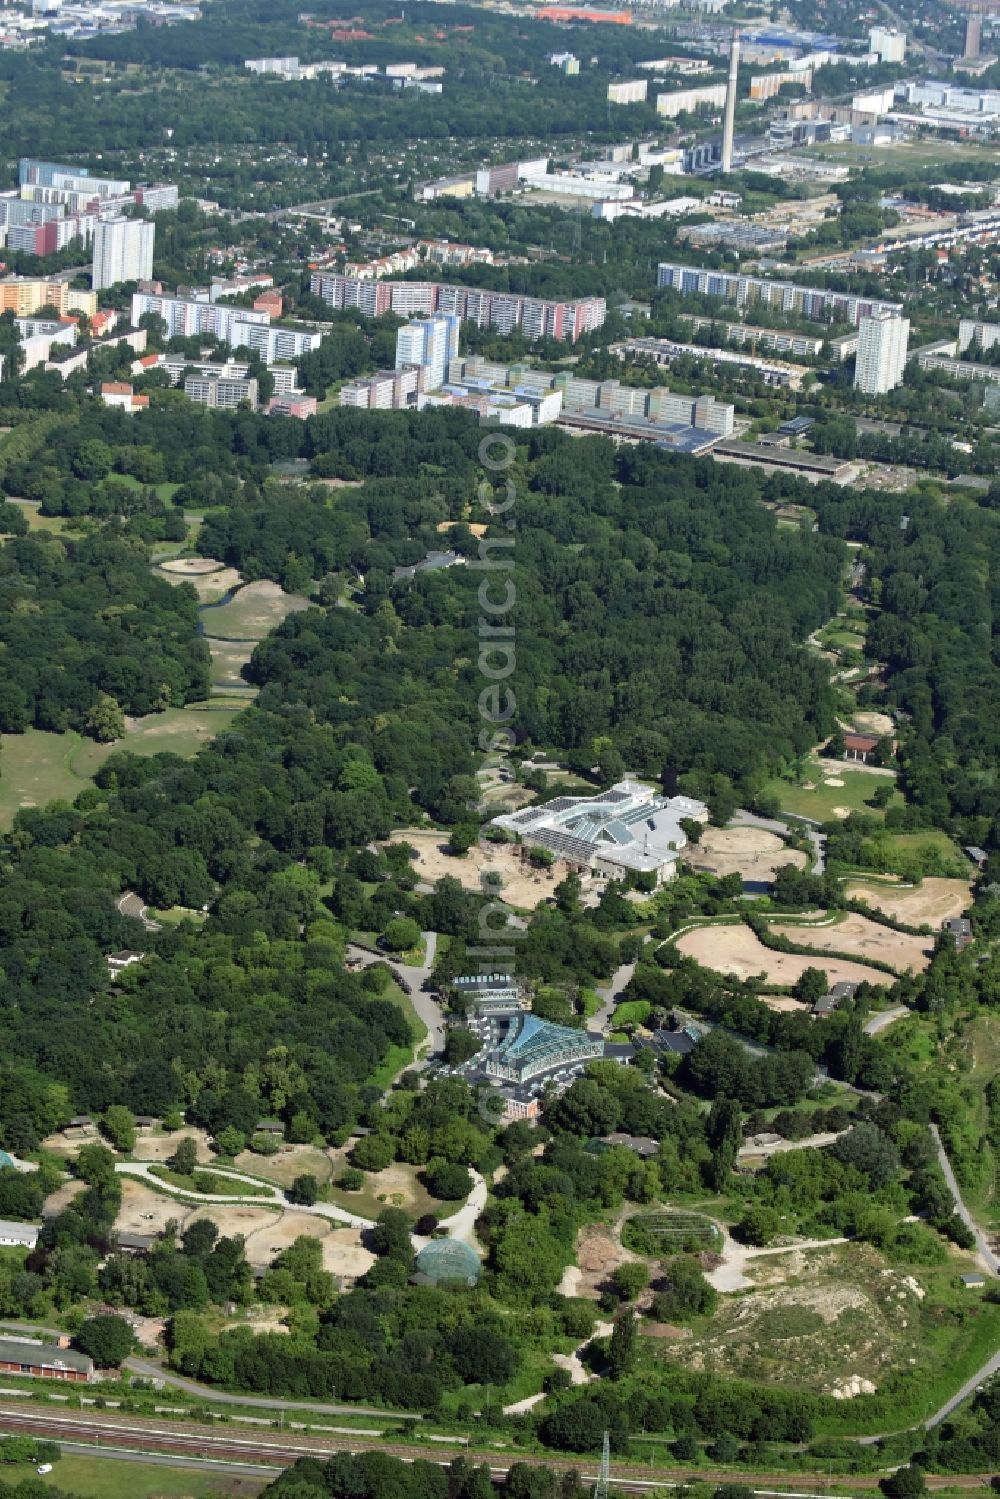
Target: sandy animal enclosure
864 938
735 950
521 885
209 579
932 901
751 852
161 1147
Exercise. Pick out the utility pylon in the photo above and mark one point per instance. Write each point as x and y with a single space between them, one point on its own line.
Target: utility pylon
604 1476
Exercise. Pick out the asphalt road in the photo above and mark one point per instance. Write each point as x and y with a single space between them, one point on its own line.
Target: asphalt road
982 1243
876 1023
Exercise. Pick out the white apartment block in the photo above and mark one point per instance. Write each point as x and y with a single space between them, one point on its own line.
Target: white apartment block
222 392
632 91
983 335
887 44
123 251
690 99
881 359
240 327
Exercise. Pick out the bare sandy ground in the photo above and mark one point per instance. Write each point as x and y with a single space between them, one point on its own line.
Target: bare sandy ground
344 1255
735 950
861 935
277 1232
208 578
520 884
750 852
161 1147
191 567
63 1196
932 901
144 1211
784 1004
873 723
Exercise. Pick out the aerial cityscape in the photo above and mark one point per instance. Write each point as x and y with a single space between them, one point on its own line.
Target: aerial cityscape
499 749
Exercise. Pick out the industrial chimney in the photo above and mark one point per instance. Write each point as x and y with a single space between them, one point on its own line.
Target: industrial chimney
730 115
973 35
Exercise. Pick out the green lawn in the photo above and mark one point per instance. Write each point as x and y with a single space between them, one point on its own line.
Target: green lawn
37 767
813 798
111 1478
39 522
256 610
208 1182
165 491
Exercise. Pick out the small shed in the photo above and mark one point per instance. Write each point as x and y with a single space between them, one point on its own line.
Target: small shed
974 1281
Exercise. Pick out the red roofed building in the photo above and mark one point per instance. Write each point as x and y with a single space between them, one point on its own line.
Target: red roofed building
269 301
859 746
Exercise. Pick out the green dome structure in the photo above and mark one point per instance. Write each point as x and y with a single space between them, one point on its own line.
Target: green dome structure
449 1260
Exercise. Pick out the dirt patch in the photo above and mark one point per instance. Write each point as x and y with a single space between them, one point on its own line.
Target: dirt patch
598 1254
736 950
277 1232
210 580
520 884
784 1004
841 1317
187 567
344 1254
144 1211
873 723
932 901
861 935
750 852
663 1330
160 1147
61 1198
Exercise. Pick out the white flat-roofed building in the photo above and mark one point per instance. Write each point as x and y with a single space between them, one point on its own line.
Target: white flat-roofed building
628 829
687 100
629 91
984 335
882 346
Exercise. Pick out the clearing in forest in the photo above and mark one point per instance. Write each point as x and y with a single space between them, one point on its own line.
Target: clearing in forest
736 950
863 938
751 852
933 901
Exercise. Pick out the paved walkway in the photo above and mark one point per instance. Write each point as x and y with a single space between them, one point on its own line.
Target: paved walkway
876 1023
264 1196
986 1254
609 997
414 977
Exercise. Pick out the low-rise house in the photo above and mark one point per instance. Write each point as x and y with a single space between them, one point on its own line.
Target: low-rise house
960 928
827 1003
136 1246
45 1361
641 1145
18 1235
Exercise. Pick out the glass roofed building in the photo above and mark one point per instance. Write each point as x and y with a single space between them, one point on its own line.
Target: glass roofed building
532 1047
629 829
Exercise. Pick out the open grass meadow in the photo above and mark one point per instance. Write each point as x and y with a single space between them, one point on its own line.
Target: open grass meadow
117 1478
813 797
37 767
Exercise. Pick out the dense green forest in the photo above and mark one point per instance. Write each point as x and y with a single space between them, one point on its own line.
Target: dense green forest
78 620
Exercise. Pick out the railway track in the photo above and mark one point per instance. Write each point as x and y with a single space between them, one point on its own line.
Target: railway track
280 1450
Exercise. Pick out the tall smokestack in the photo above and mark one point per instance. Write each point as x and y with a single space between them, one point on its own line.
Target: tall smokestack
730 115
973 34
